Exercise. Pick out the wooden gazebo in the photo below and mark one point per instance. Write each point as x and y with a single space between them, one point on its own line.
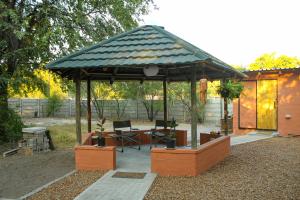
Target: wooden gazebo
145 53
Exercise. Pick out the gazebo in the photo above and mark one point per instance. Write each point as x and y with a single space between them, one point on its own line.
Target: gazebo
144 53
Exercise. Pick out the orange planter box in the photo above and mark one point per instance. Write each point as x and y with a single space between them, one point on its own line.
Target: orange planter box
189 162
181 138
95 158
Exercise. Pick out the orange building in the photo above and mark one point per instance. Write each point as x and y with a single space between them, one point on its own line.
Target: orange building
270 101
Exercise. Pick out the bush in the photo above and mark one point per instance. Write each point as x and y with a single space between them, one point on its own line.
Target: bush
12 126
54 104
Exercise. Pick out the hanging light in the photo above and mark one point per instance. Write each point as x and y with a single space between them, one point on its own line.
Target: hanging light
151 70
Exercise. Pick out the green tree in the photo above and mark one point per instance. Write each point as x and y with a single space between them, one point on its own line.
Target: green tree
150 93
35 32
271 60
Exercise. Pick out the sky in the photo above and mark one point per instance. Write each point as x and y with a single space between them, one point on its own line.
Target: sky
235 31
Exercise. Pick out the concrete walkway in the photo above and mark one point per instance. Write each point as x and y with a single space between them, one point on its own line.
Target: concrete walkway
108 188
251 137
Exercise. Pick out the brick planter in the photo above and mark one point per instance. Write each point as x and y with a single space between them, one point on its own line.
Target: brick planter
189 162
95 158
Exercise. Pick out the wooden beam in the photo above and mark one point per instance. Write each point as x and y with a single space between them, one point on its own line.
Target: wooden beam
89 110
165 102
194 108
78 109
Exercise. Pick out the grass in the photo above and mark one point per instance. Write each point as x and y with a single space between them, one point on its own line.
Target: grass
64 136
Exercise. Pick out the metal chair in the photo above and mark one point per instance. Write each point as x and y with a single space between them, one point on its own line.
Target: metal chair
159 136
124 133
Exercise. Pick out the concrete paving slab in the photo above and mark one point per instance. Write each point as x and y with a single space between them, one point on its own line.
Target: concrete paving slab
108 188
251 137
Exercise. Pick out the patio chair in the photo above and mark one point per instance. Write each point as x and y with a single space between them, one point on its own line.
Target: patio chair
159 136
124 134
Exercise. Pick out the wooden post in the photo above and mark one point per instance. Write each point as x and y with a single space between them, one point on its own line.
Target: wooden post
89 110
194 108
78 109
165 102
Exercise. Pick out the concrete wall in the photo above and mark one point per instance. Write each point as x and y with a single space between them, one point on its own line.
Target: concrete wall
134 109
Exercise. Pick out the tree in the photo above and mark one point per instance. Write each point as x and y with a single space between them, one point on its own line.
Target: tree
150 93
182 92
35 32
270 60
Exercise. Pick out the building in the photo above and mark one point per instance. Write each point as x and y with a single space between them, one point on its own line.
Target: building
270 101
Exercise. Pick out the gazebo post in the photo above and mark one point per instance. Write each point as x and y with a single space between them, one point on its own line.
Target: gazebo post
89 111
194 109
165 102
78 109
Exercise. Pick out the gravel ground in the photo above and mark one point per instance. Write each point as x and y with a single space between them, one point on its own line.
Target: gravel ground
21 174
266 169
69 187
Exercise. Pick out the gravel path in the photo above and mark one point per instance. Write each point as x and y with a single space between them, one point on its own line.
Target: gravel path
69 187
21 174
267 169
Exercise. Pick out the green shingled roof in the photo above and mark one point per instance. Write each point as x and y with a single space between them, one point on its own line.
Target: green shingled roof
146 45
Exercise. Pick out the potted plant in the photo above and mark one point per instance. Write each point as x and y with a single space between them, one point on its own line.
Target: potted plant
99 130
171 142
229 90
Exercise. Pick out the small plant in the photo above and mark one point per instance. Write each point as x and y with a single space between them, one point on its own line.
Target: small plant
230 90
100 128
173 126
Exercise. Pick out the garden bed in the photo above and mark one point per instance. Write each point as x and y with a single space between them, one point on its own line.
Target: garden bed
69 187
266 169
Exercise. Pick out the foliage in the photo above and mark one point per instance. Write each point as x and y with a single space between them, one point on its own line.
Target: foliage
13 126
150 93
120 94
100 91
182 92
34 32
52 84
54 104
271 60
100 126
230 89
173 124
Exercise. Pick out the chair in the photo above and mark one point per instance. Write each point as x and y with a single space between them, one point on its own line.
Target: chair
157 135
124 133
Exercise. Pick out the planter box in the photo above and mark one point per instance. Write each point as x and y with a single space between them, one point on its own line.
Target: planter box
189 162
206 137
95 158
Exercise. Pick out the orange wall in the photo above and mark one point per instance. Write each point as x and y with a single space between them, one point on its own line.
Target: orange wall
189 162
288 103
95 158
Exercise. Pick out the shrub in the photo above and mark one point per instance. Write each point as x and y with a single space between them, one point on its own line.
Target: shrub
12 126
54 104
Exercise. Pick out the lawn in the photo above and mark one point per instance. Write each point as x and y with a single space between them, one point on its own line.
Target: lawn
266 169
64 136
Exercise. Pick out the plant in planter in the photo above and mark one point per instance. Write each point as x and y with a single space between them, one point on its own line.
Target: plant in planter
229 90
172 134
99 130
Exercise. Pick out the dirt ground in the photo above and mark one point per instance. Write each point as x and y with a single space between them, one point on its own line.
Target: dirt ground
267 169
21 174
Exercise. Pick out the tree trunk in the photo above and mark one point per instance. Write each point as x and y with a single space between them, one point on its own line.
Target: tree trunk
3 109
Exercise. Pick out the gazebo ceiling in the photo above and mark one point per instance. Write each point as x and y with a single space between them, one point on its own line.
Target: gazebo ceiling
123 57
